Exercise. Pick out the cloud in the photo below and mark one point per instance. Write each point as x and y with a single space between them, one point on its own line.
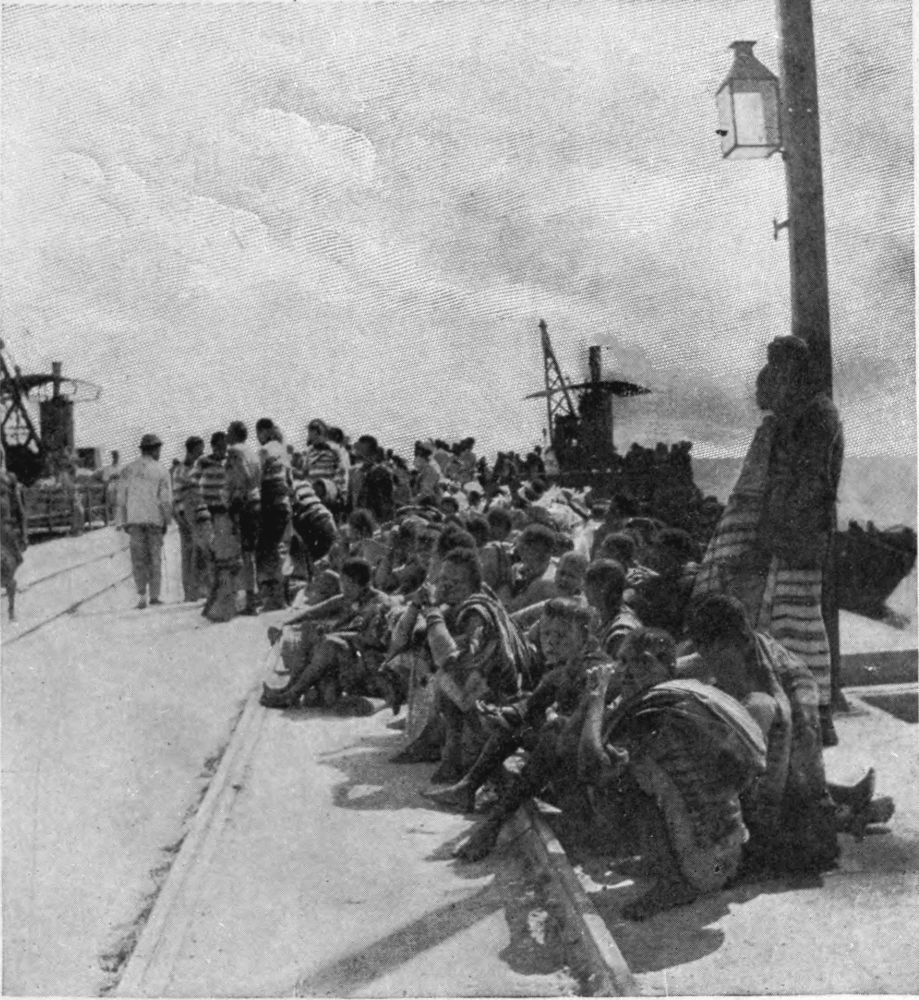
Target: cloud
362 211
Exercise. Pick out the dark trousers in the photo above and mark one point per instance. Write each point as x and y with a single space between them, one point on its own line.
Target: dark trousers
248 519
195 568
271 543
146 552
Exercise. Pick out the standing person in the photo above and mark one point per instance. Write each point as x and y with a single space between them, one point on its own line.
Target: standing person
467 459
401 480
215 530
275 521
323 461
14 537
428 478
194 559
145 510
336 440
371 481
109 476
244 492
771 544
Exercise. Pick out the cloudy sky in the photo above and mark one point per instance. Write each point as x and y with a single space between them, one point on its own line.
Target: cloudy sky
361 211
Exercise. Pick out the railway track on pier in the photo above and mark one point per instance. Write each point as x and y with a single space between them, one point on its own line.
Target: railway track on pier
63 590
246 851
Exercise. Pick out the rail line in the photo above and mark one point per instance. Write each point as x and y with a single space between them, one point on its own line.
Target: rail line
26 587
69 610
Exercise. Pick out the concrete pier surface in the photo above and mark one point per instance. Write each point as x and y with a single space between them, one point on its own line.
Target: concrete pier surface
164 835
329 876
319 870
851 931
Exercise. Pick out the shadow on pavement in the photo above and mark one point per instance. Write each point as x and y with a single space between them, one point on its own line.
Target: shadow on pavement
372 781
883 851
678 936
535 946
349 973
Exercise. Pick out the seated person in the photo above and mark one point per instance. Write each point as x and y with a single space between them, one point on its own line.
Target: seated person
621 547
453 536
621 508
397 669
477 526
342 653
449 506
533 578
324 584
791 812
604 584
364 541
568 650
477 650
400 569
569 579
667 764
497 554
660 601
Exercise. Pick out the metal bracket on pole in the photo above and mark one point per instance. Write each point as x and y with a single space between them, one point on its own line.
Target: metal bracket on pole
776 226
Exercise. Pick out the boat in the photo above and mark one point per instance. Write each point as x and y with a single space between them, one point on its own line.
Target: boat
869 563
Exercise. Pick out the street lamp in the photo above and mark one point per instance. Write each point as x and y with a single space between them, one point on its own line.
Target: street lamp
750 128
748 108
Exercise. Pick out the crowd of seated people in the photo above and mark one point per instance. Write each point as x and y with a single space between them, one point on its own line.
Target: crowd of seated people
512 621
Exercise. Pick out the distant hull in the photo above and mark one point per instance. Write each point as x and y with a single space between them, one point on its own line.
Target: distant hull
870 564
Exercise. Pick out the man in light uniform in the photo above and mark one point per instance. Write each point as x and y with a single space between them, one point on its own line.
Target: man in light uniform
144 511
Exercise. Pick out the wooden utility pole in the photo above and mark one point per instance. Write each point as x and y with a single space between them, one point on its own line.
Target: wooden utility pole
810 299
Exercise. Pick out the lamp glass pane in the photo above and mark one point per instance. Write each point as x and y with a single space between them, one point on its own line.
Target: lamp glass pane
751 119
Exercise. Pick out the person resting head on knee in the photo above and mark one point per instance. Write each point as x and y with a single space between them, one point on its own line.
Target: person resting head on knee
668 763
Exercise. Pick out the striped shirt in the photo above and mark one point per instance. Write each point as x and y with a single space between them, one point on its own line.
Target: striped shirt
323 461
209 479
610 634
183 491
307 507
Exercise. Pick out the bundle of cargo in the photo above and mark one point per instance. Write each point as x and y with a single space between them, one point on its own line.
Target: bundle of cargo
56 507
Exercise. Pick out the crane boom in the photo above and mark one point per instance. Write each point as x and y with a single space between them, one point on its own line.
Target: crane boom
558 397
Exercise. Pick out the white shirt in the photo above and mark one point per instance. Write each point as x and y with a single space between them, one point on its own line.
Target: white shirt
144 493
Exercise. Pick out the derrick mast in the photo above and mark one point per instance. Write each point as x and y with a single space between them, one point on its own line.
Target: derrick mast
34 451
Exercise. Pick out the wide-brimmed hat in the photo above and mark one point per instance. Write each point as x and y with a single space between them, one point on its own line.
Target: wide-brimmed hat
150 441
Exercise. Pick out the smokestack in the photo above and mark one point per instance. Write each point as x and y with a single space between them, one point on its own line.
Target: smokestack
594 363
56 369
